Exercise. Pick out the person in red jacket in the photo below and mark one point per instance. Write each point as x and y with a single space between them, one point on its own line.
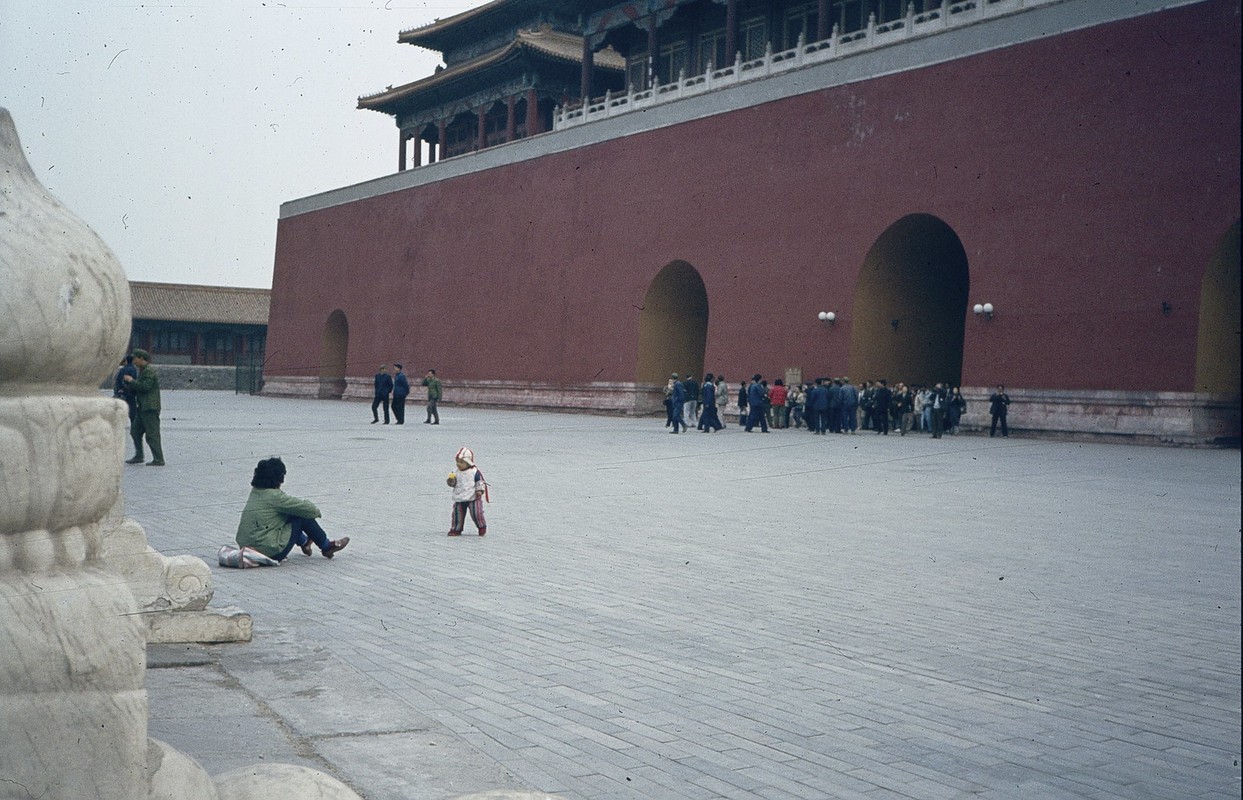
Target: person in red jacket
778 395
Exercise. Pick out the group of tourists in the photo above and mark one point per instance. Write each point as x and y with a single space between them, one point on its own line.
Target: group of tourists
392 382
823 406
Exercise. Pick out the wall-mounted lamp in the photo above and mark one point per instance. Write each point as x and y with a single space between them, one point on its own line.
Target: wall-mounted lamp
827 316
985 309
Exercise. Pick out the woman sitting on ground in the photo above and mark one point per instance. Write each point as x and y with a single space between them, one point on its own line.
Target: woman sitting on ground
273 522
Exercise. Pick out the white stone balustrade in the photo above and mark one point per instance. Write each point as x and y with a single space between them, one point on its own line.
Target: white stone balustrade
804 54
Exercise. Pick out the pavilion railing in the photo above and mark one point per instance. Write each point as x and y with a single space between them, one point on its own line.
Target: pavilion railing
875 35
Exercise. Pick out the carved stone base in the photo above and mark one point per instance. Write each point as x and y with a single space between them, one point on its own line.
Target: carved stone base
210 626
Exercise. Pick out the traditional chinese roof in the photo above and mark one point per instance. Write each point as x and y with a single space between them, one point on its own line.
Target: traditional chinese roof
475 23
176 302
543 43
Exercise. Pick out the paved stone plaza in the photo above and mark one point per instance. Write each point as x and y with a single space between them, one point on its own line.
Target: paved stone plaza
709 616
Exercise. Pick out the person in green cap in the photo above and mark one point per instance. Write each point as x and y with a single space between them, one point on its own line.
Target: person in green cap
146 392
434 393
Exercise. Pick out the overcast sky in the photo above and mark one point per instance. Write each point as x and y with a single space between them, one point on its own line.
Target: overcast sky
176 128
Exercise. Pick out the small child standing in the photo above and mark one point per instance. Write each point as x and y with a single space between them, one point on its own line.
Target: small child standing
469 489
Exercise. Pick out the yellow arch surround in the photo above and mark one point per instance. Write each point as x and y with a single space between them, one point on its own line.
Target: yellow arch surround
910 305
334 347
1217 345
673 325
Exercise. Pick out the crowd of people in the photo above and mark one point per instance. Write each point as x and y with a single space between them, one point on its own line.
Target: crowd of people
823 406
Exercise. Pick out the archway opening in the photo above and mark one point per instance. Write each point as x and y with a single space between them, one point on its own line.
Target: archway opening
673 326
1217 345
910 305
332 355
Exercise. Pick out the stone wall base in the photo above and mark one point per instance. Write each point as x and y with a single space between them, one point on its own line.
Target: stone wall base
1176 418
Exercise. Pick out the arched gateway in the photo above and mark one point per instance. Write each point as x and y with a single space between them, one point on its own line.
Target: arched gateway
673 325
332 356
910 305
1217 347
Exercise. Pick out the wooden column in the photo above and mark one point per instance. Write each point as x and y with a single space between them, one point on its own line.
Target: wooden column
511 124
481 140
824 26
444 138
731 31
589 58
401 151
532 113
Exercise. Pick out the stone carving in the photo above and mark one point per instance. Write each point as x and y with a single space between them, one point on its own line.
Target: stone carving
72 631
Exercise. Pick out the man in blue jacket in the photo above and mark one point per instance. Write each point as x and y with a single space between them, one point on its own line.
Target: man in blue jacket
677 400
401 389
755 405
383 388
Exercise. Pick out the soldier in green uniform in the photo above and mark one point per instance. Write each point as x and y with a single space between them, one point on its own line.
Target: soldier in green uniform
146 392
433 397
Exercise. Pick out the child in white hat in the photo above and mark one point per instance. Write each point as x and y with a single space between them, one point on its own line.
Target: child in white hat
469 491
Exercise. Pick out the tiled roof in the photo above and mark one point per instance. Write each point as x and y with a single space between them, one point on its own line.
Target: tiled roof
185 303
417 35
546 42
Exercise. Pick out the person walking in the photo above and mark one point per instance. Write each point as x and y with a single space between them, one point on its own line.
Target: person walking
677 404
146 391
722 399
709 420
401 390
690 409
434 393
998 407
383 388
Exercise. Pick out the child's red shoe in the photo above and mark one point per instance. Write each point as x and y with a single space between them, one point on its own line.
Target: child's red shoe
483 531
455 533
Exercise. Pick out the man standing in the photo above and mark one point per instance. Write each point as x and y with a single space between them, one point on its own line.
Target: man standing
120 391
146 391
383 388
818 403
881 398
755 405
998 405
939 400
401 389
690 406
850 406
433 397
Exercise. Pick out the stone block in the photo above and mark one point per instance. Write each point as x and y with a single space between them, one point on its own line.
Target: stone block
229 624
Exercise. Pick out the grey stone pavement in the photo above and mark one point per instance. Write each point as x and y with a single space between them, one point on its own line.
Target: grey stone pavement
709 616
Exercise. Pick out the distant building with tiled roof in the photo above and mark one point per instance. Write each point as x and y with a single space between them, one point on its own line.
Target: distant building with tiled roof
507 67
205 325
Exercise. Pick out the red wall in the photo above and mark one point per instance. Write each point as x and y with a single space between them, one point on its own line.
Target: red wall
1089 177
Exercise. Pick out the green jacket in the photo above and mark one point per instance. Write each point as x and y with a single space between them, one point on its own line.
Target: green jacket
433 388
265 523
146 389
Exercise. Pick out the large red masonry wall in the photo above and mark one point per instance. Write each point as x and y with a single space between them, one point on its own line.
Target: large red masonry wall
1089 176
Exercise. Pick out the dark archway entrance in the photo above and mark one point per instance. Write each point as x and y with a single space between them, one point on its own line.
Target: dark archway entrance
1217 346
673 326
910 305
332 355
